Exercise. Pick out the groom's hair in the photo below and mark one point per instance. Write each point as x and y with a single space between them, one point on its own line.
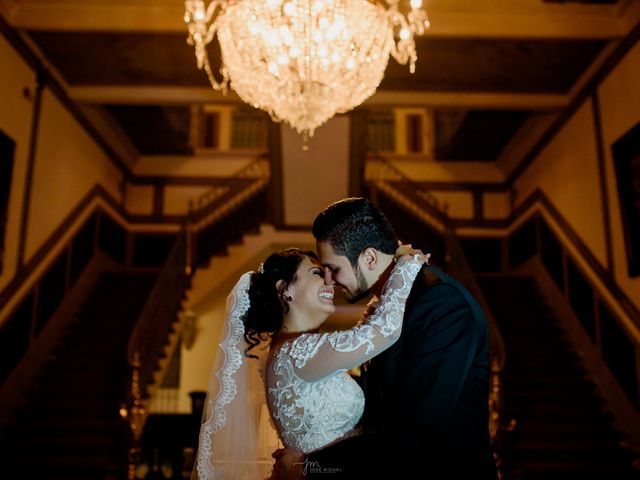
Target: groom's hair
353 224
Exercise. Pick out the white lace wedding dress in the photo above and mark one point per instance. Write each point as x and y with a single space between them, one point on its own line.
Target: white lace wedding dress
312 399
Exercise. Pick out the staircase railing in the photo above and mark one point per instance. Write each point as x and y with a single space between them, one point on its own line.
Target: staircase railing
202 208
387 179
218 202
159 313
390 180
148 340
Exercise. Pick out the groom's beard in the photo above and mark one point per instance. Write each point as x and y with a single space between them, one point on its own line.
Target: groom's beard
363 287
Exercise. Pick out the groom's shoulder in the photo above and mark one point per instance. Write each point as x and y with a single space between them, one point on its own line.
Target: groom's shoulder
426 278
434 290
430 277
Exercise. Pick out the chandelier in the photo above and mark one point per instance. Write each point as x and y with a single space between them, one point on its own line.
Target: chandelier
303 61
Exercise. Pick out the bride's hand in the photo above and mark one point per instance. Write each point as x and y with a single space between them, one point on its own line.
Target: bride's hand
290 464
407 249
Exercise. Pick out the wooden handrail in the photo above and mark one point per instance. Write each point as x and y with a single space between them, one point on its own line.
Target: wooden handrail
159 313
425 199
257 169
219 200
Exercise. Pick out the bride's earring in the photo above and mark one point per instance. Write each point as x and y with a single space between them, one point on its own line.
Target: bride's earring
287 296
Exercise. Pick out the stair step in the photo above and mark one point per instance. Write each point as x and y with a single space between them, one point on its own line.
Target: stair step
562 431
574 471
555 412
545 381
75 425
567 401
69 425
90 373
65 474
84 447
64 439
567 434
526 347
62 402
96 364
73 389
71 349
70 463
531 366
583 446
542 378
66 410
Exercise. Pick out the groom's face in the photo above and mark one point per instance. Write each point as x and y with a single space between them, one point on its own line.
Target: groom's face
340 272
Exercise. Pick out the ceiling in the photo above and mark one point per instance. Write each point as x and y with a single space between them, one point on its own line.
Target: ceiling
494 65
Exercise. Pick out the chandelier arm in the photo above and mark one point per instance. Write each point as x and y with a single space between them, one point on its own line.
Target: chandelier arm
399 46
217 85
211 32
212 8
202 30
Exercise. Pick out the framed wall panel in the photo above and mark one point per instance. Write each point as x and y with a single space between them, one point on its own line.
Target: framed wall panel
626 157
7 150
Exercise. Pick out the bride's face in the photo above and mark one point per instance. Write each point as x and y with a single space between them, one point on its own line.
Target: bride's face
311 297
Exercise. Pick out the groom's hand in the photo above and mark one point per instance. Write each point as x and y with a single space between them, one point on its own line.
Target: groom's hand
289 464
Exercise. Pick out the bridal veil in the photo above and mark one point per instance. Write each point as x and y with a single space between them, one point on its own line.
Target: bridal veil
236 438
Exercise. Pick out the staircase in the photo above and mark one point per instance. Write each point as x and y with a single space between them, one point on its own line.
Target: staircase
562 431
242 254
69 427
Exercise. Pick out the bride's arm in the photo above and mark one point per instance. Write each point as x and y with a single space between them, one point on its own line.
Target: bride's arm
319 355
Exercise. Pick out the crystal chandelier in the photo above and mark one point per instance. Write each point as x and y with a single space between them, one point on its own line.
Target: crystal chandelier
303 61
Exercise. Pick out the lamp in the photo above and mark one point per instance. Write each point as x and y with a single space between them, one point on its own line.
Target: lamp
303 61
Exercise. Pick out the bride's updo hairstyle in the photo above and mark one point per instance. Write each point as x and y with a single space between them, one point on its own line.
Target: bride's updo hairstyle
268 304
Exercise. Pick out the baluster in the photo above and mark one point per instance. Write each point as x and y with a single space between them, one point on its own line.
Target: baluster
134 414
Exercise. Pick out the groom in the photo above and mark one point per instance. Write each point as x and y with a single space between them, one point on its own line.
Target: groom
426 408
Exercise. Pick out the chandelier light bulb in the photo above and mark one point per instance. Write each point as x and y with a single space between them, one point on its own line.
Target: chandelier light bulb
351 64
304 61
273 68
287 36
289 9
294 52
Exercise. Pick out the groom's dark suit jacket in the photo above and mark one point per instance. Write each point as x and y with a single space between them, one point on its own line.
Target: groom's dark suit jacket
426 396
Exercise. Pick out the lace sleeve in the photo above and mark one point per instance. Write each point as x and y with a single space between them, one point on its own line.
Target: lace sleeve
316 355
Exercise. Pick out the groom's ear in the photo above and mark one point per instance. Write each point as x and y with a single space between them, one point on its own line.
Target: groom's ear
369 258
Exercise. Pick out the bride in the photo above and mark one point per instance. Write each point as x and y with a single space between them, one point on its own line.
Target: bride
272 322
